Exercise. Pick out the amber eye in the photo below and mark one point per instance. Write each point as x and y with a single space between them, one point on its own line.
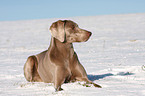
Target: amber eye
73 27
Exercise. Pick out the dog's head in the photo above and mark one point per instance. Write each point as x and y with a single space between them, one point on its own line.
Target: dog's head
68 31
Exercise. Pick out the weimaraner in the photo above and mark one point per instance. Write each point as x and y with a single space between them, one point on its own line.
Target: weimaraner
59 64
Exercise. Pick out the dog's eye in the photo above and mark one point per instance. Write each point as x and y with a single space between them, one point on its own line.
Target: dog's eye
73 27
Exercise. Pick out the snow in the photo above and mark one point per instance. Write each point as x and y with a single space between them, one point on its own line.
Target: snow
113 57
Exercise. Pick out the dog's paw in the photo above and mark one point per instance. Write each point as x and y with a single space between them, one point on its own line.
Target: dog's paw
96 85
58 89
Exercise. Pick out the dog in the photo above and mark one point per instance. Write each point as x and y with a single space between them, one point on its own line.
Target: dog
59 64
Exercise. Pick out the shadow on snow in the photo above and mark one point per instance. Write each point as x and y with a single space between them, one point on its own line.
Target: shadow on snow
97 77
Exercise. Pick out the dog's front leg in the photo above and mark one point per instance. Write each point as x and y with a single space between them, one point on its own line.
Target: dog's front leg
60 75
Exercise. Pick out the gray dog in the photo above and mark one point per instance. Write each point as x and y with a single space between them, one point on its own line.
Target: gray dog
59 64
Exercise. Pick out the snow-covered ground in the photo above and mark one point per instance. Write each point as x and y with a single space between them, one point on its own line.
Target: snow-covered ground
113 57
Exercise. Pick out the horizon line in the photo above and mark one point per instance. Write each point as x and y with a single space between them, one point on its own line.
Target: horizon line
72 16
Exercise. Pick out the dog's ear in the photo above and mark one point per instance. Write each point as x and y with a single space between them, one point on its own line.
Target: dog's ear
57 30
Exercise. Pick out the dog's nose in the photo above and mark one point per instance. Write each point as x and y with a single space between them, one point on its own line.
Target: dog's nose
89 34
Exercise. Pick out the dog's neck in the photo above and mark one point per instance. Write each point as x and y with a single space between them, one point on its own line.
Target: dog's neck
64 48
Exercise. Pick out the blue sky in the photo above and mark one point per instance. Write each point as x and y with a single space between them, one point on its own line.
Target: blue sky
11 10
